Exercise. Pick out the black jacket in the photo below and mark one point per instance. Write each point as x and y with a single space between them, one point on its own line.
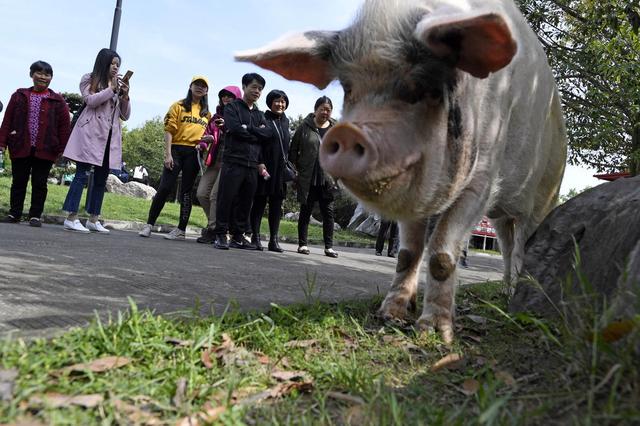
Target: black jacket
246 131
272 155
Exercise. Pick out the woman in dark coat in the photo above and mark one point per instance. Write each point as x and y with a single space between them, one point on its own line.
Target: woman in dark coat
274 189
313 184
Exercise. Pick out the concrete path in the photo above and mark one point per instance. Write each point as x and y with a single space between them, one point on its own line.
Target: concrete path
52 279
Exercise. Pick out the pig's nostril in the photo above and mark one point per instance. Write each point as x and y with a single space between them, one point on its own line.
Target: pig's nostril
334 147
359 149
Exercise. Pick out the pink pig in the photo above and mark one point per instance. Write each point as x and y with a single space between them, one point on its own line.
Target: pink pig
450 109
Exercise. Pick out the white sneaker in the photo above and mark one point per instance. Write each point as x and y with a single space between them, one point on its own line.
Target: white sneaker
146 231
176 234
75 226
96 227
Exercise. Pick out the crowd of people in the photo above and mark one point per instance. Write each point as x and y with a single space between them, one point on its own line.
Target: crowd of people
247 158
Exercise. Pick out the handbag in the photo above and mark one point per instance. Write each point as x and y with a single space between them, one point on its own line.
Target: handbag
290 172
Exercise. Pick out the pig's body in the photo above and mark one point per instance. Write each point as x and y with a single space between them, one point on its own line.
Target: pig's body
450 109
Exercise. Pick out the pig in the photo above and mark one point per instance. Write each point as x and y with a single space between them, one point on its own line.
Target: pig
450 109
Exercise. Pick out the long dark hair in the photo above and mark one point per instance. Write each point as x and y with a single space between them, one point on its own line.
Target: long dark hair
100 75
204 103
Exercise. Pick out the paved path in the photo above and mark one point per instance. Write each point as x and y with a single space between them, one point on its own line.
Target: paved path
52 279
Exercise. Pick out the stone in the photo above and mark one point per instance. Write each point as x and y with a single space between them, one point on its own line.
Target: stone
359 216
295 216
370 225
130 189
605 223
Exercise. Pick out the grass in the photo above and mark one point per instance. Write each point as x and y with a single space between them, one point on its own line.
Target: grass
119 207
351 369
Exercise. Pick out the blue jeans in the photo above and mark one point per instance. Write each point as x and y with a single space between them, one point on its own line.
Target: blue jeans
100 174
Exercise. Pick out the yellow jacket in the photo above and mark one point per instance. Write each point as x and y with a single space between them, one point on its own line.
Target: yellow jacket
186 128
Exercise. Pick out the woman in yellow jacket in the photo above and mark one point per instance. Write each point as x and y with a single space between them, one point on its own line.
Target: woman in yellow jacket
184 127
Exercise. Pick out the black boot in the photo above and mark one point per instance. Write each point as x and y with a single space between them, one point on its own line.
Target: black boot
208 237
273 244
221 242
255 240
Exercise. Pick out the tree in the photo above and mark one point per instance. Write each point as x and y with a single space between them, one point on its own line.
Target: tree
73 100
594 50
145 146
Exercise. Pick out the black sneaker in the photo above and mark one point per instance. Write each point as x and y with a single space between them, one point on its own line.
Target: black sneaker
255 240
239 242
35 222
11 219
221 242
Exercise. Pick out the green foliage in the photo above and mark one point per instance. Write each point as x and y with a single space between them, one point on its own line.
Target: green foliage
74 101
569 195
145 145
594 50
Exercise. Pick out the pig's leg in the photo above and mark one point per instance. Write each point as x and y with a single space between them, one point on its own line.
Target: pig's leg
443 252
506 230
405 283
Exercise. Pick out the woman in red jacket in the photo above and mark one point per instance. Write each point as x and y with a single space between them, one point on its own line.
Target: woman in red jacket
35 128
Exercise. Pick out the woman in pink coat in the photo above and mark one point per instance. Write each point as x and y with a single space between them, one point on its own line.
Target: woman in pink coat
96 138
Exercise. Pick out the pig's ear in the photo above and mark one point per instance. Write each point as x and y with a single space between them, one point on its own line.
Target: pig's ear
478 43
296 57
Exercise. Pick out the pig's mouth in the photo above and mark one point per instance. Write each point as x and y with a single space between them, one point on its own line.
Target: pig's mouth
377 186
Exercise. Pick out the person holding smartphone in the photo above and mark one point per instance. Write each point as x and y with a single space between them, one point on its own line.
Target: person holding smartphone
96 138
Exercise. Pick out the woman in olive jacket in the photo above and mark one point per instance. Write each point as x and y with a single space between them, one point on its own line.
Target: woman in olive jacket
313 184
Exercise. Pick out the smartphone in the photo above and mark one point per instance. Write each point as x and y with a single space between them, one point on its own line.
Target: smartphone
127 76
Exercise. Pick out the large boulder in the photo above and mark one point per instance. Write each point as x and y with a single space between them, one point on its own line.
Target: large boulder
130 189
605 223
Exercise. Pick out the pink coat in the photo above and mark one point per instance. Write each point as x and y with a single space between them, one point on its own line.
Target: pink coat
88 139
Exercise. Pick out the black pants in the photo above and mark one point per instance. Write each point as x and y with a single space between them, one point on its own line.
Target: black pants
392 227
21 169
235 195
326 208
185 159
275 213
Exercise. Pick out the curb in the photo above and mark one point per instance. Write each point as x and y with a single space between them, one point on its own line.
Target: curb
163 228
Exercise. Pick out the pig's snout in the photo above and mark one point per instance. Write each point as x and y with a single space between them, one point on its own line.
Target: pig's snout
346 152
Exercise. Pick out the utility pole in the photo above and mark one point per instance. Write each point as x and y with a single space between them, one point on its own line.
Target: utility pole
116 25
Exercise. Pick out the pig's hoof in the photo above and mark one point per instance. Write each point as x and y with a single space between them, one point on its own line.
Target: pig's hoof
393 311
430 324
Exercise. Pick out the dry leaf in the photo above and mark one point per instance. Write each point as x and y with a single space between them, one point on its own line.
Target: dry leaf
346 398
135 414
301 343
355 415
450 362
56 400
178 342
475 339
181 388
470 387
477 319
205 357
26 421
7 383
262 358
617 330
97 366
506 378
286 376
207 416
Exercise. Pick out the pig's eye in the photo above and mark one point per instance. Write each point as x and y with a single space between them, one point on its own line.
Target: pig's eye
347 90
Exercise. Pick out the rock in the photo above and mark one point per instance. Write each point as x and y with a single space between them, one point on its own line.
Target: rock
359 216
130 189
295 216
606 226
336 226
370 225
53 181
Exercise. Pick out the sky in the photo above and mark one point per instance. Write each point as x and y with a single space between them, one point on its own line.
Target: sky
166 42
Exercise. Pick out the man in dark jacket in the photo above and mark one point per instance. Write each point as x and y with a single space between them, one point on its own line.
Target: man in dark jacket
246 131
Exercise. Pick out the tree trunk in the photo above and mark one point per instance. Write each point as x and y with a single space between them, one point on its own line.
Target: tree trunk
634 161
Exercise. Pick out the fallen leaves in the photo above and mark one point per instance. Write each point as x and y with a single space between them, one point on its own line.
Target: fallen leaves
7 383
57 400
301 343
178 342
96 366
617 330
135 414
284 376
228 353
451 361
470 387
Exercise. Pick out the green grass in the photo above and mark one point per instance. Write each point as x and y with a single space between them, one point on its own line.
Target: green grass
527 371
119 207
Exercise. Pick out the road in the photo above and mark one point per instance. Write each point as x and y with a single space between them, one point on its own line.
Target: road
52 279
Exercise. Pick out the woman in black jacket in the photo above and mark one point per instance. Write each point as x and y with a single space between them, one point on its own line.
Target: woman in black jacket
274 189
